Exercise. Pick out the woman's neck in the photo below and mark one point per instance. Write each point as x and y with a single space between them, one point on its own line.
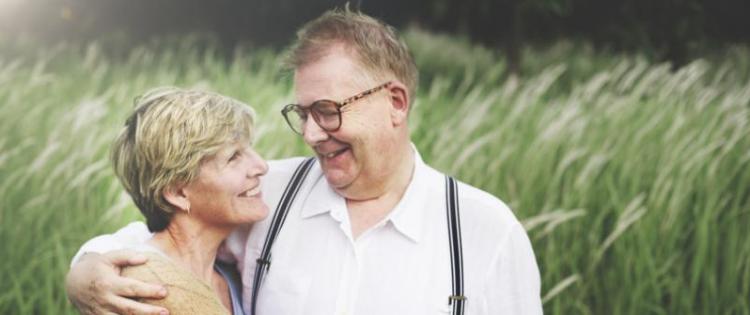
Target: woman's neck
191 245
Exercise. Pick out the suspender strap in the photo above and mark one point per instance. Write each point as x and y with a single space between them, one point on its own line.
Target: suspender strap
282 209
457 298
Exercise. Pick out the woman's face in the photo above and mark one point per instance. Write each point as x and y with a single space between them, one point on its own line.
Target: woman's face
227 191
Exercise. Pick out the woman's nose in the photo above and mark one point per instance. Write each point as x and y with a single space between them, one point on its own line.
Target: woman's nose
258 166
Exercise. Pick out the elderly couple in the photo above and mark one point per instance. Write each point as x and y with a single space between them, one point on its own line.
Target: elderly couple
366 227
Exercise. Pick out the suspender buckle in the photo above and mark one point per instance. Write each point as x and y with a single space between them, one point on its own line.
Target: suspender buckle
262 261
456 298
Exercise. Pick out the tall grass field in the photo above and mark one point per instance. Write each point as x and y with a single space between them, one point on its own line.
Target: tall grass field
632 178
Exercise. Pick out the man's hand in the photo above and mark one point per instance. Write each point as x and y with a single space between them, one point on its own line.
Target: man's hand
95 286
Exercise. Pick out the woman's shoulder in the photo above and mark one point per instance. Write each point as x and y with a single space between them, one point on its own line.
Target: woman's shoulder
158 268
187 294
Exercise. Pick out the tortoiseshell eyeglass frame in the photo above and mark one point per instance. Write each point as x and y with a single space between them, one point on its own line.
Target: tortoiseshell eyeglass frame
317 109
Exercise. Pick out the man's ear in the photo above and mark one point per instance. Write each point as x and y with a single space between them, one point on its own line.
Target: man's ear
176 196
399 97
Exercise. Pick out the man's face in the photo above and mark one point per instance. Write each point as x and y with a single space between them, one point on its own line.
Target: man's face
355 157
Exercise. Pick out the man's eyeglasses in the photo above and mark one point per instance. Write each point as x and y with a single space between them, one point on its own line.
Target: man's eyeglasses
326 113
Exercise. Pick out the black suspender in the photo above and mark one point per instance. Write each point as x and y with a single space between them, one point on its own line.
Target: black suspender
456 299
282 209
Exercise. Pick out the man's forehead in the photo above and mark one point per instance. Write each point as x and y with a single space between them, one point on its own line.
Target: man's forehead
329 79
310 89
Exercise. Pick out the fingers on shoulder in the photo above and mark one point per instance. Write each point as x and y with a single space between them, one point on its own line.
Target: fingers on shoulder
125 257
140 288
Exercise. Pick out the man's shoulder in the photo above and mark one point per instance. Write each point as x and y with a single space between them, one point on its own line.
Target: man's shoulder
477 197
479 208
284 166
277 179
280 171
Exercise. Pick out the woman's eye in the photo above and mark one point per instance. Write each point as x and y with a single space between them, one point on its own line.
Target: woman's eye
234 156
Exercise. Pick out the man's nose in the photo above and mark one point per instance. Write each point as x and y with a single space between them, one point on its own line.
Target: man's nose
312 132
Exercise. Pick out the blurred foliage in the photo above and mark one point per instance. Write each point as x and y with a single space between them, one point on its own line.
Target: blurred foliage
673 30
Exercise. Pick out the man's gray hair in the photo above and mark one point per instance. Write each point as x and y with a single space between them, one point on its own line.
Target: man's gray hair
375 44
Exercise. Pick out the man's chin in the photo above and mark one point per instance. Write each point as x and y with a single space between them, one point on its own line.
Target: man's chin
337 179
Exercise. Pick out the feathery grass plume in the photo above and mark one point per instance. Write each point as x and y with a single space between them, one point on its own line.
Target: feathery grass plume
579 147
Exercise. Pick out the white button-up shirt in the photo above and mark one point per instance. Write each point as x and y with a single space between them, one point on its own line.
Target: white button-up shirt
399 266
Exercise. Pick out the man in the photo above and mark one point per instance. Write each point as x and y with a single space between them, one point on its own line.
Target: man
367 232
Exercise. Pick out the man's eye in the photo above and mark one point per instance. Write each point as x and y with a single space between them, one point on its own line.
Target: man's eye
326 111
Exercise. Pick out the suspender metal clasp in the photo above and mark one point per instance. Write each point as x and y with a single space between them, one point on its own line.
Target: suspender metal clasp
456 298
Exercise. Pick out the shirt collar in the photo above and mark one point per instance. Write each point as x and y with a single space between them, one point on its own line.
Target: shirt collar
406 217
322 199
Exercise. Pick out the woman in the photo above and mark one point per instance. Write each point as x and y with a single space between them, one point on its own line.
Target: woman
185 157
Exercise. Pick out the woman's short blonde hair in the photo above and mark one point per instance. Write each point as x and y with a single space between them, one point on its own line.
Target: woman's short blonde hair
167 137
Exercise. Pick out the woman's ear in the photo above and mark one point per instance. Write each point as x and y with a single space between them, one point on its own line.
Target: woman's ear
176 196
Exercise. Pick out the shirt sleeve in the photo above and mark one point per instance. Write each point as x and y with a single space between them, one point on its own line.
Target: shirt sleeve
514 283
128 236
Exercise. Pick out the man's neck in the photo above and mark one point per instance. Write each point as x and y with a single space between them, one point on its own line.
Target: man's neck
366 213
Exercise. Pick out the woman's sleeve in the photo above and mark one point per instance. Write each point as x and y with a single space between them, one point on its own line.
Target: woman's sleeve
186 295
